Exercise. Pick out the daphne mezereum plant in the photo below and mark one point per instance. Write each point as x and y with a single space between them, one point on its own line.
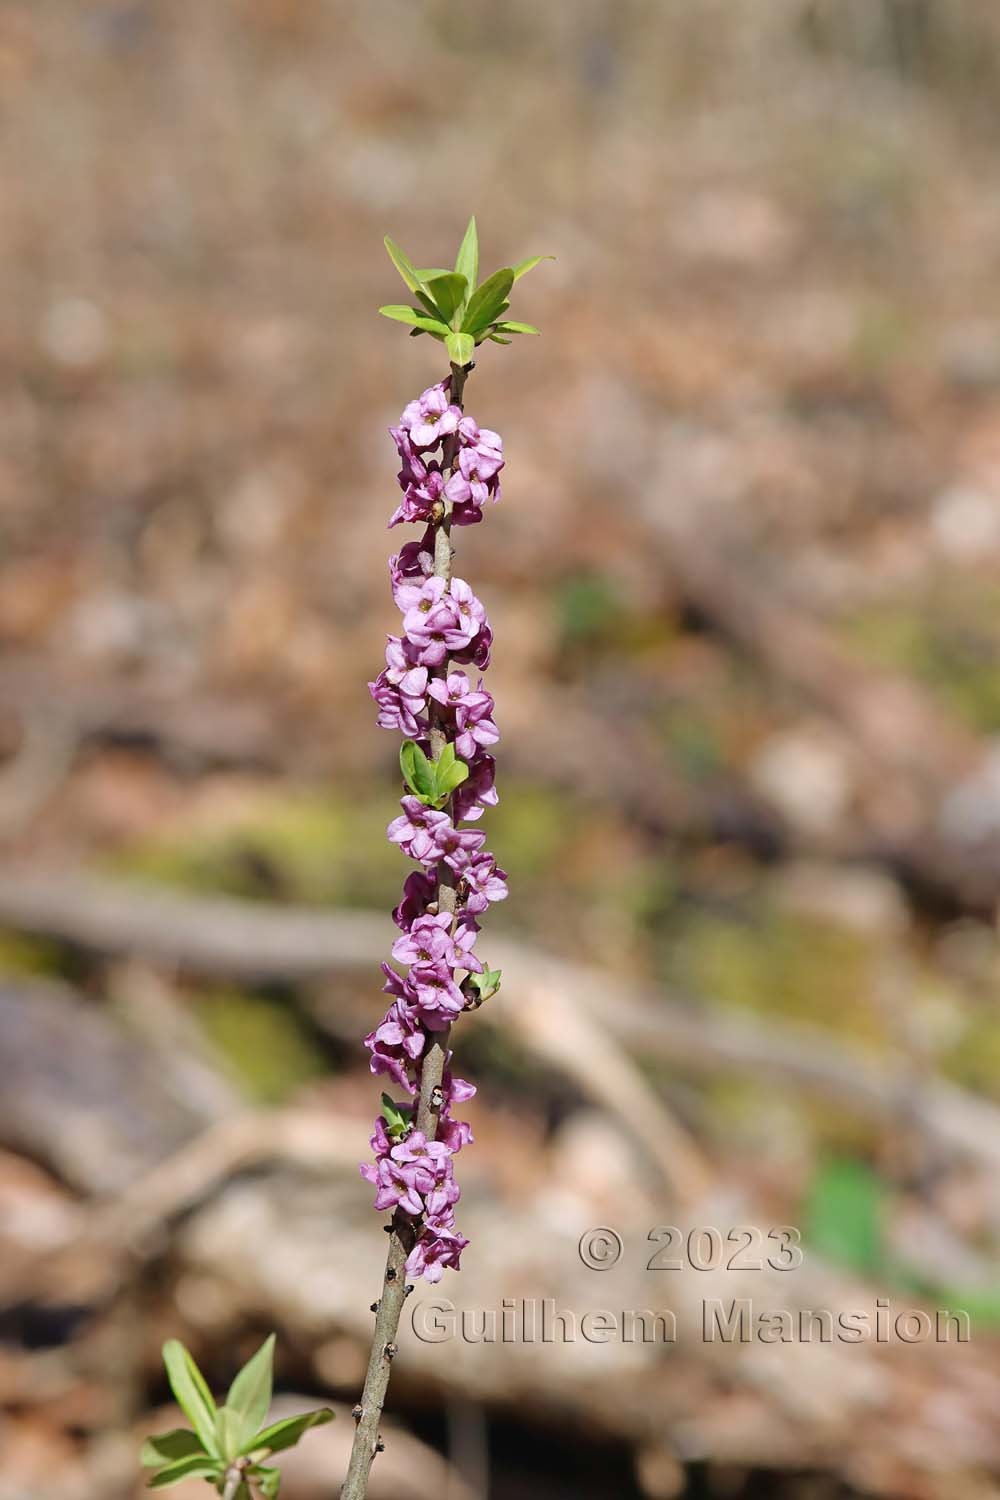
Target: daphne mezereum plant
228 1445
450 468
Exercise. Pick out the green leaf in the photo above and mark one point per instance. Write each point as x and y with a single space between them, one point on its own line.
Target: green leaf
403 264
448 293
486 983
402 314
449 772
168 1447
429 271
411 276
196 1467
229 1428
286 1434
524 266
461 347
417 771
485 304
467 260
249 1397
268 1481
397 1119
192 1394
517 328
495 338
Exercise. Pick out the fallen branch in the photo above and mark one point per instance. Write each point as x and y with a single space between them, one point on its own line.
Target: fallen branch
257 942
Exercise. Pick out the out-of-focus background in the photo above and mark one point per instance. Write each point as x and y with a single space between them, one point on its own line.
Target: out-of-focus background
745 581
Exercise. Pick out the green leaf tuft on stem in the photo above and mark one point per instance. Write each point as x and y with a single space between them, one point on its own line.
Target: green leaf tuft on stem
456 310
228 1442
431 781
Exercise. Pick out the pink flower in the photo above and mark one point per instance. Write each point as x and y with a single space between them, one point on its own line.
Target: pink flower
419 499
430 417
400 690
430 941
415 560
419 831
472 711
438 1246
419 890
477 792
438 617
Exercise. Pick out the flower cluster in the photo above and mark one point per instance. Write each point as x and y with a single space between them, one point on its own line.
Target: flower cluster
450 466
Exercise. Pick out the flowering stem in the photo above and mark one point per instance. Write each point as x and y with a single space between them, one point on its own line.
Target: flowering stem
434 1060
389 1308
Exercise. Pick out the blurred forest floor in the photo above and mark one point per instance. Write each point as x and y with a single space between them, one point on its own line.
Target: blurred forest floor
745 583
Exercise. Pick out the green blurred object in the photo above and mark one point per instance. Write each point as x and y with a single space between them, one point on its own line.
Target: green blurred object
263 1041
844 1213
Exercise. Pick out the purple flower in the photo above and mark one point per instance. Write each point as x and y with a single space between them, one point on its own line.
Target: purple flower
457 845
414 560
435 994
430 941
396 1044
419 499
438 617
475 479
482 879
414 469
478 654
419 890
400 690
419 831
422 1162
472 712
430 417
454 1133
438 1246
416 1175
477 792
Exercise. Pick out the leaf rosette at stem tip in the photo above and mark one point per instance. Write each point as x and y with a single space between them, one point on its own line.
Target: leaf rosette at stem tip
229 1444
455 307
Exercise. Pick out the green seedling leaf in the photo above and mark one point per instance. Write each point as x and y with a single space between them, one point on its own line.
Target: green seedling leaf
467 260
418 320
430 271
495 338
249 1397
461 347
286 1434
517 328
191 1393
485 304
196 1467
168 1447
448 293
418 772
524 266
